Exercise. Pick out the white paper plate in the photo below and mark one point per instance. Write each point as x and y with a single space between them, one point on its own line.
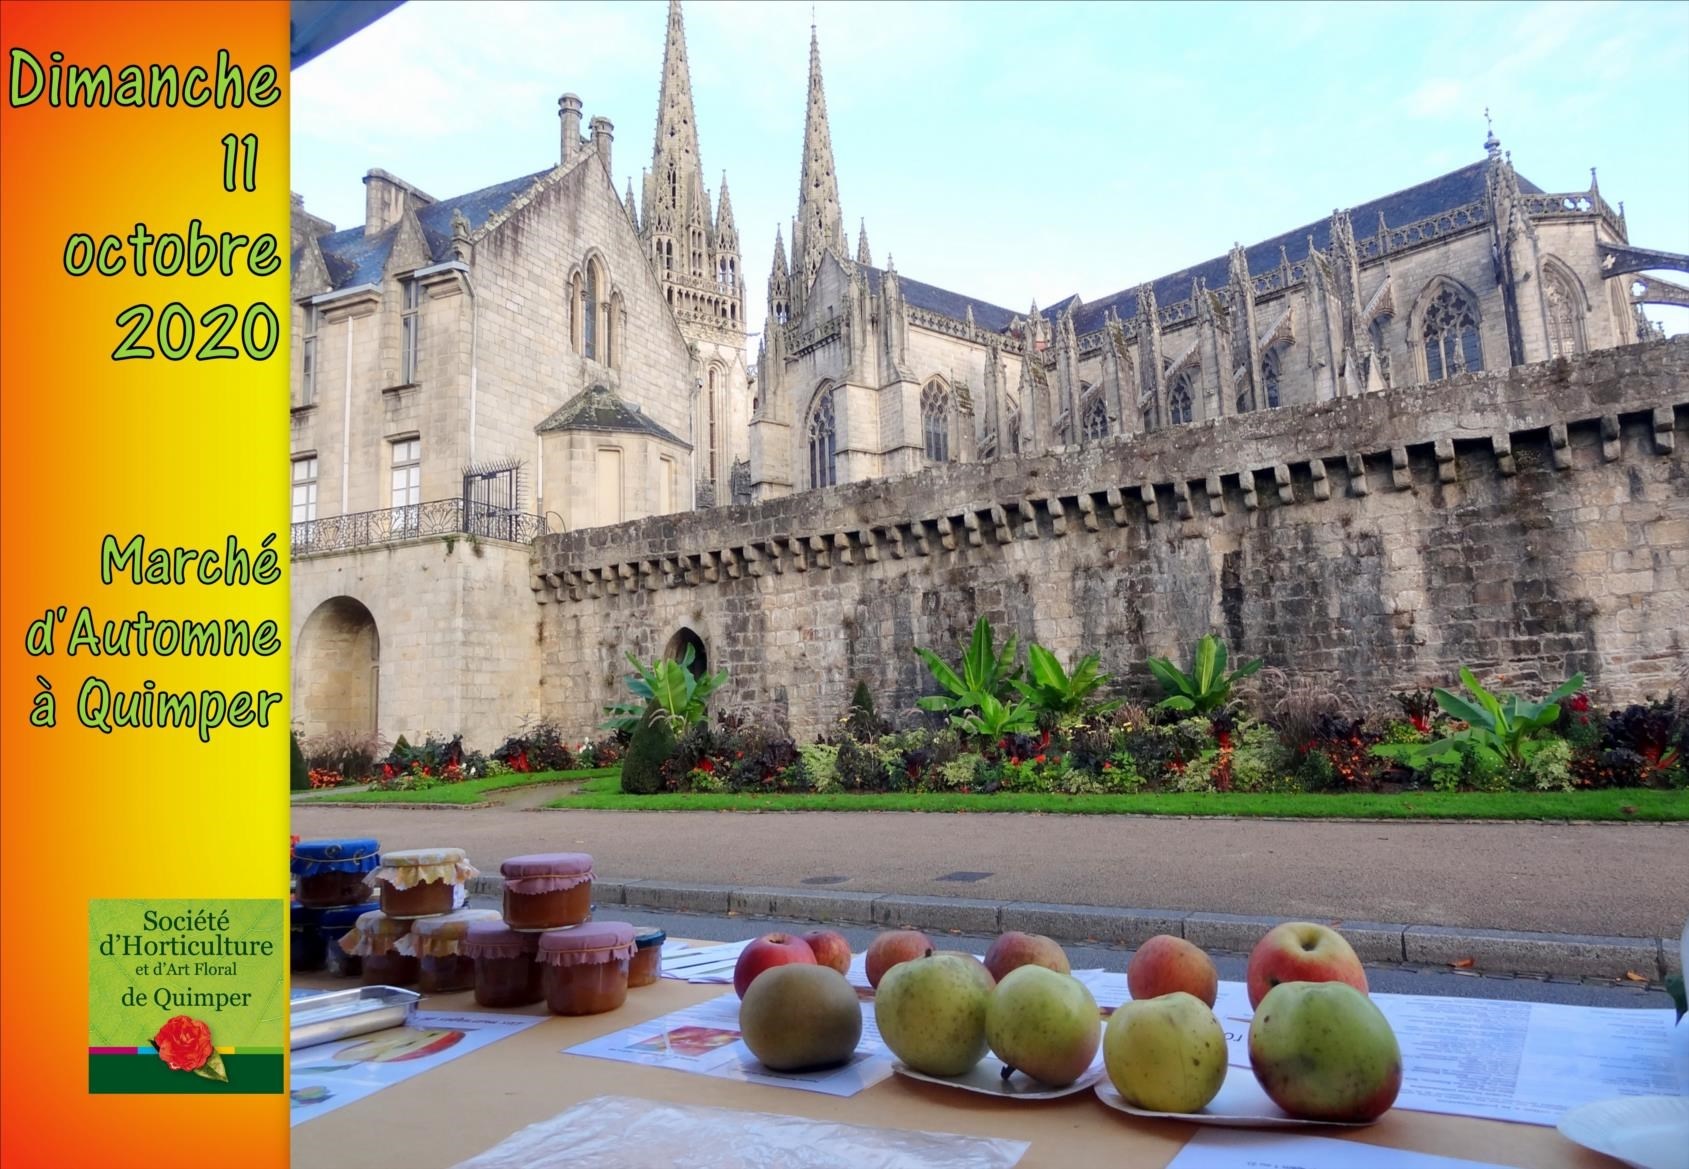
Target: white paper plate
1241 1103
986 1079
1645 1132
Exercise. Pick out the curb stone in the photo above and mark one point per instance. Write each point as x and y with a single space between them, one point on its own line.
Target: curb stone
1491 951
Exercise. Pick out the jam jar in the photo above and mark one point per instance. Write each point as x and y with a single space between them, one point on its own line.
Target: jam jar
647 964
433 941
586 968
547 890
306 950
331 873
507 971
332 926
375 939
421 882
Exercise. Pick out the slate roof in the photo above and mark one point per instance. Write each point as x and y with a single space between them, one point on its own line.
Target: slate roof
355 259
1421 201
994 317
599 409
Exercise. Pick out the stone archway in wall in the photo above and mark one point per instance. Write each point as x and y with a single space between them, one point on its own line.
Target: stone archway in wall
676 650
337 666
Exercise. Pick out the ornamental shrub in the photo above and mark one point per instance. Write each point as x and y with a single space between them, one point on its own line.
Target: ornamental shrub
651 745
299 776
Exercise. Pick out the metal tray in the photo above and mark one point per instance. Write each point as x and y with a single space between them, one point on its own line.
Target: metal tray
340 1014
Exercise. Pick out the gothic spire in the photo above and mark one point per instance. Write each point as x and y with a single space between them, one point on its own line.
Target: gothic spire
779 252
677 126
863 255
724 210
819 225
633 209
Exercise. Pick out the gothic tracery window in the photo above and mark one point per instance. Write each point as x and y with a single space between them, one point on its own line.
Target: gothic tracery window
1272 369
1565 316
1094 418
591 298
1180 399
1451 336
1379 331
935 421
823 442
1011 444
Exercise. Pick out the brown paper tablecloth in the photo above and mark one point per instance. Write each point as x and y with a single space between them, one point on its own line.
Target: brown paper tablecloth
470 1104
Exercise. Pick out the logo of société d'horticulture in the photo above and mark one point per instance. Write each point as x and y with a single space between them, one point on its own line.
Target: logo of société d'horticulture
184 1043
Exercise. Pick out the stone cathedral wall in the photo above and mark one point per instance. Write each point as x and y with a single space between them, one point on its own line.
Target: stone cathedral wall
1529 523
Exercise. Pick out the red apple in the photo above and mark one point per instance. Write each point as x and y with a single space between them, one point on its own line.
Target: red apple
892 947
1165 964
1301 951
769 950
1016 949
830 949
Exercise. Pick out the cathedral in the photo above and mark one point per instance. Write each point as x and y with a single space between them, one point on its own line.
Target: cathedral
546 354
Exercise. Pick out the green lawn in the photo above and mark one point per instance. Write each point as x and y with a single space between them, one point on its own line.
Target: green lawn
470 791
1624 804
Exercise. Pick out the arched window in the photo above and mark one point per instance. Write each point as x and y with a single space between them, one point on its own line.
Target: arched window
613 314
1565 313
1094 418
715 440
1379 331
1272 364
1180 399
1451 336
591 298
1011 445
576 298
823 443
935 421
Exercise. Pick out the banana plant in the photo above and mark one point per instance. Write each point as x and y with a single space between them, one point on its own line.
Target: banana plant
679 696
995 719
985 673
1054 692
1500 729
1207 688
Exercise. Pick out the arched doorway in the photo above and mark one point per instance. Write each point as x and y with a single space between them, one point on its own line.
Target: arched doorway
676 650
337 669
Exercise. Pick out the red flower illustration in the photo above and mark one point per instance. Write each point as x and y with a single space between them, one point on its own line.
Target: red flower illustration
184 1043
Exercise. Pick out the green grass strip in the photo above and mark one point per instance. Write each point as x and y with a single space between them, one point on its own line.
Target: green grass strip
1619 804
469 791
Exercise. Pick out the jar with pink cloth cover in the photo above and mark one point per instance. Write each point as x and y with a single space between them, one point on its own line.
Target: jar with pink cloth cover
547 890
436 943
586 968
507 968
421 882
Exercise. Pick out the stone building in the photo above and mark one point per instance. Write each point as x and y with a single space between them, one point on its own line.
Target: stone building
544 359
866 373
537 355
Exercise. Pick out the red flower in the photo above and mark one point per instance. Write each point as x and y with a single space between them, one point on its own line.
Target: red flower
184 1043
1579 703
706 765
1039 759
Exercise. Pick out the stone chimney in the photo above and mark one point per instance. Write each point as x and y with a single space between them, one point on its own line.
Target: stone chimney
304 225
385 198
601 135
569 110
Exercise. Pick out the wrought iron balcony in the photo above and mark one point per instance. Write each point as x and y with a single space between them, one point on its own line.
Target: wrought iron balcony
393 525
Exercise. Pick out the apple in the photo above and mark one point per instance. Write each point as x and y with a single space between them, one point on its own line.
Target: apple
768 951
800 1015
975 968
892 947
931 1013
1015 949
1301 951
830 949
1165 964
1165 1054
1044 1024
1324 1051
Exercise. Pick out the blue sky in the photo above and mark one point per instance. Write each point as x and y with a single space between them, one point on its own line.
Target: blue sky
1028 151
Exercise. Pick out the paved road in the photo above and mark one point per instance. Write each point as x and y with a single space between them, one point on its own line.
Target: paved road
1616 879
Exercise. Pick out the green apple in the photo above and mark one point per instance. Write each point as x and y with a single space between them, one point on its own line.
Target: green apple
1166 1054
1324 1051
1044 1024
800 1015
931 1013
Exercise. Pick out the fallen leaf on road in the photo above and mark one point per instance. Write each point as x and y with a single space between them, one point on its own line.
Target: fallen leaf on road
732 913
955 931
1629 809
1462 964
1634 976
